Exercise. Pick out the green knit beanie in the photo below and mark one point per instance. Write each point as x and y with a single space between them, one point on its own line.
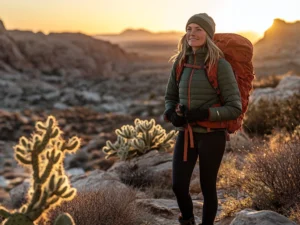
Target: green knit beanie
204 21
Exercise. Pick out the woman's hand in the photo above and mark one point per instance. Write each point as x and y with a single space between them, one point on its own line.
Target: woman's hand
175 119
197 115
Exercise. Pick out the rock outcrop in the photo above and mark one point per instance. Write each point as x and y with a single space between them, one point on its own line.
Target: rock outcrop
278 52
60 54
286 88
264 217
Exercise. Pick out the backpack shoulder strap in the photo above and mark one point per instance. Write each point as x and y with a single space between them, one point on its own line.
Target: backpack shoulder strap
179 69
212 76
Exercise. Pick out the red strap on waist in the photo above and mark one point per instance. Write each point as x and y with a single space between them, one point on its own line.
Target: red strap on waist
188 134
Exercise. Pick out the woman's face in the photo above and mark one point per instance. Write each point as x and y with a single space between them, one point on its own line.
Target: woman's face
195 35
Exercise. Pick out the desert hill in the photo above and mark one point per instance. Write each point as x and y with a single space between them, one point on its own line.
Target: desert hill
60 54
278 51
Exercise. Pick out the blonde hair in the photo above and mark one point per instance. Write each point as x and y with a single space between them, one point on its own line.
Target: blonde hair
212 57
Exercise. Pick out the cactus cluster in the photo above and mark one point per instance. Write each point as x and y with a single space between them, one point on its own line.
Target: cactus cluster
133 141
43 153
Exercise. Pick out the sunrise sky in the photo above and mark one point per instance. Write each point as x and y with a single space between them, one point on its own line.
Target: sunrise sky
113 16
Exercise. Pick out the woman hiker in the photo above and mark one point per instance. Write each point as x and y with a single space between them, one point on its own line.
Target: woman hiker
191 99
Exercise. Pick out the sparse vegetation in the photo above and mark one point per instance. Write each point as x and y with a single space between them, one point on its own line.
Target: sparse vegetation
230 175
267 81
233 205
108 206
273 175
265 116
295 214
135 176
144 179
43 154
135 141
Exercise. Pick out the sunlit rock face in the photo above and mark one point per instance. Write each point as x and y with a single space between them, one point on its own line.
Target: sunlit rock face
278 51
65 54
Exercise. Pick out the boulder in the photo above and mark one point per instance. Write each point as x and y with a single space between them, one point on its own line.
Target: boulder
286 88
264 217
95 180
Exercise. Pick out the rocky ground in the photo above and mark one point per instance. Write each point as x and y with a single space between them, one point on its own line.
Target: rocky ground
92 109
91 95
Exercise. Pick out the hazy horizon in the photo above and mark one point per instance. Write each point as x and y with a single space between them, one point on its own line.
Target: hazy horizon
94 17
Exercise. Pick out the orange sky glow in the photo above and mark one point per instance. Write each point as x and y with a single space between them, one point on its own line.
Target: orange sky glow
99 16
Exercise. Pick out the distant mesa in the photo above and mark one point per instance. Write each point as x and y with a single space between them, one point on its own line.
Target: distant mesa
138 32
142 33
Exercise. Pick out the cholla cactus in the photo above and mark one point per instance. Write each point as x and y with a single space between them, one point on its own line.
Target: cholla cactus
64 219
43 154
134 141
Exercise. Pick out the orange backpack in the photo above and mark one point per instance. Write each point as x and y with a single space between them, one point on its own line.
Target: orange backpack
238 51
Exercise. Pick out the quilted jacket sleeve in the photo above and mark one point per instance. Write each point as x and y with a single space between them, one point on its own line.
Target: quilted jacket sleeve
171 93
232 106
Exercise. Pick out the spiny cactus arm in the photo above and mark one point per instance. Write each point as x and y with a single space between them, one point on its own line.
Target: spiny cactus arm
111 146
62 188
39 145
123 152
112 149
35 211
144 126
52 132
34 199
126 131
4 212
72 145
52 195
23 152
110 154
52 160
157 134
146 136
167 143
170 135
70 194
23 160
138 144
53 200
158 130
64 219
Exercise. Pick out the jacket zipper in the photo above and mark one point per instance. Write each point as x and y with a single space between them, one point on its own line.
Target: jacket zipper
190 82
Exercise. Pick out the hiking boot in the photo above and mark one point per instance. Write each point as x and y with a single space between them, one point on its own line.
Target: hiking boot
190 221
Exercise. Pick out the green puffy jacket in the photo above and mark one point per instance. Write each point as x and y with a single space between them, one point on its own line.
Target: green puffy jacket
202 94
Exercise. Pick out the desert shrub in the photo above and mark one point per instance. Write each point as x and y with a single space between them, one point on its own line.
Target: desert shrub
273 175
265 116
230 173
161 187
144 179
232 205
108 206
133 141
295 214
134 175
267 81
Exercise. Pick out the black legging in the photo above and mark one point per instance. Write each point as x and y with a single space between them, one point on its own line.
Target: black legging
210 148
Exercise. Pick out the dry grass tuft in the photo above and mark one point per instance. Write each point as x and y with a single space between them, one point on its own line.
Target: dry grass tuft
110 206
